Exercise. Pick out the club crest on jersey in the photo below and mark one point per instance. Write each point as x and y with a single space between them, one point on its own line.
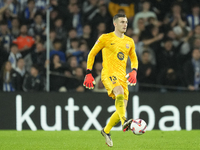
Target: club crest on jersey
127 45
120 56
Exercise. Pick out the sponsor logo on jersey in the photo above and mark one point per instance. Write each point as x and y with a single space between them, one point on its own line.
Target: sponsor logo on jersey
127 45
112 43
120 56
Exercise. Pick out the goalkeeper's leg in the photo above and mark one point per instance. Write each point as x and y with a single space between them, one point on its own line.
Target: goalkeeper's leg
114 119
119 103
121 107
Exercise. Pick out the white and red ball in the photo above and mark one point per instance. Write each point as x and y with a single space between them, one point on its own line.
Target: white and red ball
138 126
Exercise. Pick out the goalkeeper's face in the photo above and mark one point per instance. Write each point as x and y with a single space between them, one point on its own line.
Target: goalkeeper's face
121 24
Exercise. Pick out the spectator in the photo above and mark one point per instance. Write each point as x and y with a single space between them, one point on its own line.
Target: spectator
152 54
39 55
18 75
15 27
72 34
153 38
8 17
74 47
57 66
177 20
79 76
146 72
129 32
5 5
102 15
195 35
196 43
151 21
140 27
23 4
53 15
58 45
160 7
59 71
192 71
194 18
97 69
176 41
75 18
75 83
52 37
28 13
24 41
34 81
166 57
59 28
15 7
138 44
145 14
90 9
40 5
73 64
81 53
5 37
169 77
77 24
83 65
38 27
87 35
101 28
14 55
6 78
3 55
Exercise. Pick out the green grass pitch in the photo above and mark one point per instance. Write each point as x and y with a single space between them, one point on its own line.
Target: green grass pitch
93 140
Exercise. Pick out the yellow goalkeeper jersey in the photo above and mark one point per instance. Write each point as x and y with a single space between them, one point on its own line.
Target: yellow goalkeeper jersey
115 52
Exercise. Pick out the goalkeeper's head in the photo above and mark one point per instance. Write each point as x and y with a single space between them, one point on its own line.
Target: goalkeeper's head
120 22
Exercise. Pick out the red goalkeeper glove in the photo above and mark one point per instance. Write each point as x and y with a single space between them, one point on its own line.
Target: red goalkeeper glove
131 78
89 80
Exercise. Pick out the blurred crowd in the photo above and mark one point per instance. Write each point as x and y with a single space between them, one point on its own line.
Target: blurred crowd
166 35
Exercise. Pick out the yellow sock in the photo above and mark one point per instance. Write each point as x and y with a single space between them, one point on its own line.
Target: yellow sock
114 119
120 107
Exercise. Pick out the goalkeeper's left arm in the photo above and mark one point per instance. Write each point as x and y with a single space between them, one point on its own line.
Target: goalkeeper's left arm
132 76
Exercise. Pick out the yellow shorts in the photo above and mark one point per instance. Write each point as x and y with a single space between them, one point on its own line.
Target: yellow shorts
111 82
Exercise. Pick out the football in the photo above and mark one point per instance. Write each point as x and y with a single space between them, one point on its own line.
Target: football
138 126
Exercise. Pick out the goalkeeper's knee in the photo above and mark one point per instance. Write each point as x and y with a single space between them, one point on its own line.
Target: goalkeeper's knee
118 90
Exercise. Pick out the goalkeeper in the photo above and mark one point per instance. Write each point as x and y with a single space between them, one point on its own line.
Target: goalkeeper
116 47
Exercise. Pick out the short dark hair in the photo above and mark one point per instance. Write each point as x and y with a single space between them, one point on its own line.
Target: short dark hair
57 41
118 16
13 45
36 67
20 59
30 1
167 39
38 14
146 1
145 52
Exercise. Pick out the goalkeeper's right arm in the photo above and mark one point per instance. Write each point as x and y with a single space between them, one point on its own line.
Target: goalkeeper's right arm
89 80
